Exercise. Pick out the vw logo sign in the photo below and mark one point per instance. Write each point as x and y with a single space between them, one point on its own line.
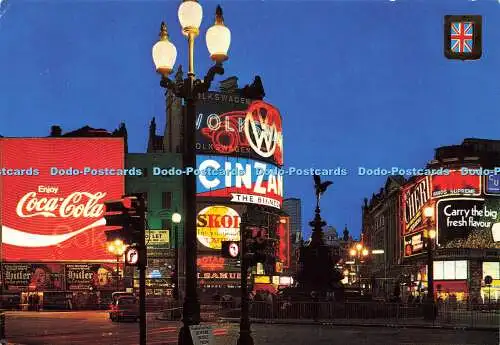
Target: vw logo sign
132 256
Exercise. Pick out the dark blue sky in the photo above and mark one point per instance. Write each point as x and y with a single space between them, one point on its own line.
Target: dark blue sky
357 82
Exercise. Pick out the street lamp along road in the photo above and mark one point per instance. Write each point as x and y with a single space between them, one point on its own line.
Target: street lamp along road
358 252
430 235
117 247
218 39
176 219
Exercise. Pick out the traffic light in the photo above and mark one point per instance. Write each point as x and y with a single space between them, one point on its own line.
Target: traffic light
126 216
230 249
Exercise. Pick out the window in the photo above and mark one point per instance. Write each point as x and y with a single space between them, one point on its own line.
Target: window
491 269
166 200
450 270
460 269
438 270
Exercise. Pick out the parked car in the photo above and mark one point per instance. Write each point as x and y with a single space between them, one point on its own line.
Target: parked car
125 307
116 295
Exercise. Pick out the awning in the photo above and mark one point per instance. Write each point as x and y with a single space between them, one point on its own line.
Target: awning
451 286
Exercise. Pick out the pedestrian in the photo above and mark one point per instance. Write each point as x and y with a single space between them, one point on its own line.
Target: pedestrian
30 302
36 302
315 298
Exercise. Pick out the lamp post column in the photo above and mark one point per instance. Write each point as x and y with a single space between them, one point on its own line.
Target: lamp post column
117 272
191 304
430 269
430 305
245 337
176 263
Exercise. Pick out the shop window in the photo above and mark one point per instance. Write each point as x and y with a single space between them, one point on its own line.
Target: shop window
491 269
438 270
450 270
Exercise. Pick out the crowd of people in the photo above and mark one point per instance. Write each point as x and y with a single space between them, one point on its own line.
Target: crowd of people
34 302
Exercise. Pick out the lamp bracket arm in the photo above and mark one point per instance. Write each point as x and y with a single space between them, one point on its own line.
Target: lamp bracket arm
201 86
175 87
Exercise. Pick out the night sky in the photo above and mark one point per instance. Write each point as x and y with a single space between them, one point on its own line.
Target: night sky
358 83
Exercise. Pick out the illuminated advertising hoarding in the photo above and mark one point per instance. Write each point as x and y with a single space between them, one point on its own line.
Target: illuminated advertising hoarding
85 276
492 185
239 180
413 199
460 218
413 244
39 277
52 207
215 224
233 125
283 254
455 184
211 262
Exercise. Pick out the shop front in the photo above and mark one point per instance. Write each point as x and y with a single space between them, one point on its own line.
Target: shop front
219 282
59 286
490 292
449 290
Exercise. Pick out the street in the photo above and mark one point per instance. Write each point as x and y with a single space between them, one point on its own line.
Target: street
91 327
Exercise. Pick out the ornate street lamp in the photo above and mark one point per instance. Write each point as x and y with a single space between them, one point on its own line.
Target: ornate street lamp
117 248
176 219
218 39
358 252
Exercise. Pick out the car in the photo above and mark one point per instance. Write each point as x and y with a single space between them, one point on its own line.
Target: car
125 307
118 294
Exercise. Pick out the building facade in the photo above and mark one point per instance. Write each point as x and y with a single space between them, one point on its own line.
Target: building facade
460 187
380 231
466 205
164 197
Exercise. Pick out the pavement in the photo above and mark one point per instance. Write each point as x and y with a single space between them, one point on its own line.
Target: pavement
406 323
94 327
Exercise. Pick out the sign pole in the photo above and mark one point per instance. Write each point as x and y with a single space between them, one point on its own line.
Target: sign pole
142 270
245 337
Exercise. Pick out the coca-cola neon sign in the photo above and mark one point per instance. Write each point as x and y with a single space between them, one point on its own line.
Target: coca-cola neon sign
57 218
77 204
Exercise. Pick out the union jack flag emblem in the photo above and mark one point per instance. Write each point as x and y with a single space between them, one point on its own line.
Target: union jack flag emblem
462 37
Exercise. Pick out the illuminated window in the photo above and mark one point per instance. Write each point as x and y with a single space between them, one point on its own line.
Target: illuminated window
491 269
438 270
450 270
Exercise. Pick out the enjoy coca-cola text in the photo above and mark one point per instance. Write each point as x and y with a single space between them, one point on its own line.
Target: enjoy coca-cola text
76 205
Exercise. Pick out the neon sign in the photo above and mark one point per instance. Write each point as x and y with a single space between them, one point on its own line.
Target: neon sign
242 180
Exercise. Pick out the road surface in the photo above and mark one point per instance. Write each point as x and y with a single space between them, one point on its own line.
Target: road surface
91 327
